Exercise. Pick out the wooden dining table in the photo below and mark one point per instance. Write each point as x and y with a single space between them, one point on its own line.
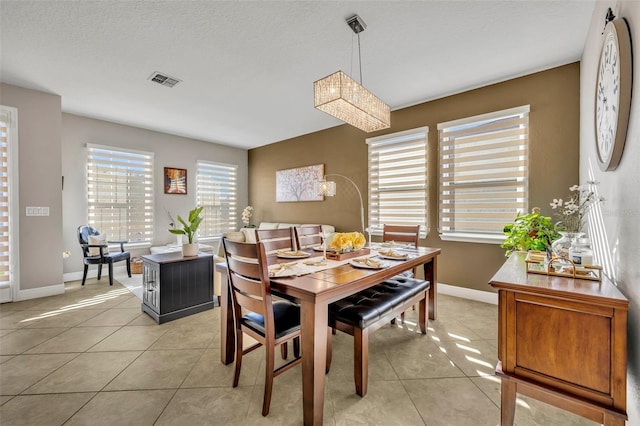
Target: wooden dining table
314 292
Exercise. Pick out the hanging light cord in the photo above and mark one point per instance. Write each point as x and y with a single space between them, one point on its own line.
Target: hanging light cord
359 59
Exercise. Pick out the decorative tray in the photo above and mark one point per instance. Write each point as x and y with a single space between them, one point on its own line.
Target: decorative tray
348 255
561 267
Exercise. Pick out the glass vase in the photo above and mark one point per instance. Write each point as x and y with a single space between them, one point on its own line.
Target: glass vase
561 246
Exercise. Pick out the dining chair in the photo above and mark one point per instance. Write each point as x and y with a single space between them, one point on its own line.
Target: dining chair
403 234
275 239
269 322
95 251
308 236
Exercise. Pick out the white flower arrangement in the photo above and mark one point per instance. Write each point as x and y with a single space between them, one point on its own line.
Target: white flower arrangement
247 213
572 213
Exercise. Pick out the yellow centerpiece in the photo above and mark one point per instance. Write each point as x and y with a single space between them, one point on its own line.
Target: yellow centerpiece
343 242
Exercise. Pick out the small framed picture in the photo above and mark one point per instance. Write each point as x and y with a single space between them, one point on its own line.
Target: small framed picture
175 180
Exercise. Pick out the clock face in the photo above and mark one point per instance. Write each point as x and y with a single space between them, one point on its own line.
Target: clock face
607 98
613 94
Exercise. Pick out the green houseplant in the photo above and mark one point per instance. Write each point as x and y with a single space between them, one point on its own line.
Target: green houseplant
189 229
531 231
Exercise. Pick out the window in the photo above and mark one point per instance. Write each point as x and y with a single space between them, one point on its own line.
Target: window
120 193
398 180
8 203
217 186
484 162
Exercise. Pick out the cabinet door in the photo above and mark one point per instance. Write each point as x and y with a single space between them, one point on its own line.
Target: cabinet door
151 285
186 283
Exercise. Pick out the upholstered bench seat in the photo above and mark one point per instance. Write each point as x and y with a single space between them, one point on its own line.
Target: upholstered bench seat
364 312
369 306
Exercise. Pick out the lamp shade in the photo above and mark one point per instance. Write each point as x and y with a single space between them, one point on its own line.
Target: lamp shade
342 97
325 188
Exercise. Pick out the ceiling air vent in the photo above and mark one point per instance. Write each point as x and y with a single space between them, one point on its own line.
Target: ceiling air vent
164 79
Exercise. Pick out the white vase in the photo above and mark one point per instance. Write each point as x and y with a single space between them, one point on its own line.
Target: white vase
189 250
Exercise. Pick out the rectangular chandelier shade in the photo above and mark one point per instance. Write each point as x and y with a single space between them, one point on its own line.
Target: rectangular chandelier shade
344 98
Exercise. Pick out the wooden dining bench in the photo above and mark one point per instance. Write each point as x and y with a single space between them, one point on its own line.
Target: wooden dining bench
362 313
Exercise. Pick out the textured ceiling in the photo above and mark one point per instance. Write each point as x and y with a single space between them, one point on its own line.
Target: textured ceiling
247 68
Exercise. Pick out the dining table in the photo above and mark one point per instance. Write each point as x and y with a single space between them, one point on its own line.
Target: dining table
314 292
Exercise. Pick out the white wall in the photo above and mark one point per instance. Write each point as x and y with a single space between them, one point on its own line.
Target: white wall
620 212
169 150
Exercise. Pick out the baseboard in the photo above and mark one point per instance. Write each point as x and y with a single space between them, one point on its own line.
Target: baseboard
92 273
468 293
34 293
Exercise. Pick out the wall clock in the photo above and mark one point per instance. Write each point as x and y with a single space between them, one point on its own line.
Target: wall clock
613 93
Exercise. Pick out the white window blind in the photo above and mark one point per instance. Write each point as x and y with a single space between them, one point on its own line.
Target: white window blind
6 219
217 187
120 193
398 180
484 163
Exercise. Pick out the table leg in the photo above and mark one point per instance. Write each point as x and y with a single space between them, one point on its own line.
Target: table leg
431 275
227 327
313 329
507 402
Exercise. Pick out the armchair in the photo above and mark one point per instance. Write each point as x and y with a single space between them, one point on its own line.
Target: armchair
95 251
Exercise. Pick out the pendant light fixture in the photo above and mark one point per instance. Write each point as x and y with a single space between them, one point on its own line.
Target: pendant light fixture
344 98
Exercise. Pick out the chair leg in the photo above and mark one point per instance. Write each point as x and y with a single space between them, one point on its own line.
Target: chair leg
110 273
268 379
84 274
99 271
422 314
129 267
329 350
296 347
284 350
361 360
238 364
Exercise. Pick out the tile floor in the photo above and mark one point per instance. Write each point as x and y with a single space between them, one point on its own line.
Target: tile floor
91 357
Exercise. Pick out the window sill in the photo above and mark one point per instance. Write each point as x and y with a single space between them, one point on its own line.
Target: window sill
473 238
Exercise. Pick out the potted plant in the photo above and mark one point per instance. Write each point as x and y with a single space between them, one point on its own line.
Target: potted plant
531 231
189 229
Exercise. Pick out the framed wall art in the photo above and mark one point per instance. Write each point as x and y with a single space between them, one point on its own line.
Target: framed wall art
298 184
175 181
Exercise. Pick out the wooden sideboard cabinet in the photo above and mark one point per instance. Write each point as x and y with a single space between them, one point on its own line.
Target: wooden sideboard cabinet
174 286
562 341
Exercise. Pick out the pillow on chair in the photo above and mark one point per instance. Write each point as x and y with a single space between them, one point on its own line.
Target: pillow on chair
249 235
98 240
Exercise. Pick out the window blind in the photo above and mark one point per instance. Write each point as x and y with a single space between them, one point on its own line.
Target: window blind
484 163
398 180
217 188
120 193
5 217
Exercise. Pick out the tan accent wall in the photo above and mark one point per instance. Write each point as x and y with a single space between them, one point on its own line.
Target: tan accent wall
40 177
554 97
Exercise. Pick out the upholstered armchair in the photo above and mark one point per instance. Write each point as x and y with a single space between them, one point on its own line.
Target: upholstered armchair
95 251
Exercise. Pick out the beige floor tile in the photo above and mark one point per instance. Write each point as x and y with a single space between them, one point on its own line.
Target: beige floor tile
137 408
17 319
129 302
386 403
457 401
208 406
87 372
129 338
5 358
62 318
157 370
474 358
20 305
286 402
5 332
210 372
76 339
113 317
185 338
87 299
23 371
26 338
145 319
42 410
5 398
419 358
